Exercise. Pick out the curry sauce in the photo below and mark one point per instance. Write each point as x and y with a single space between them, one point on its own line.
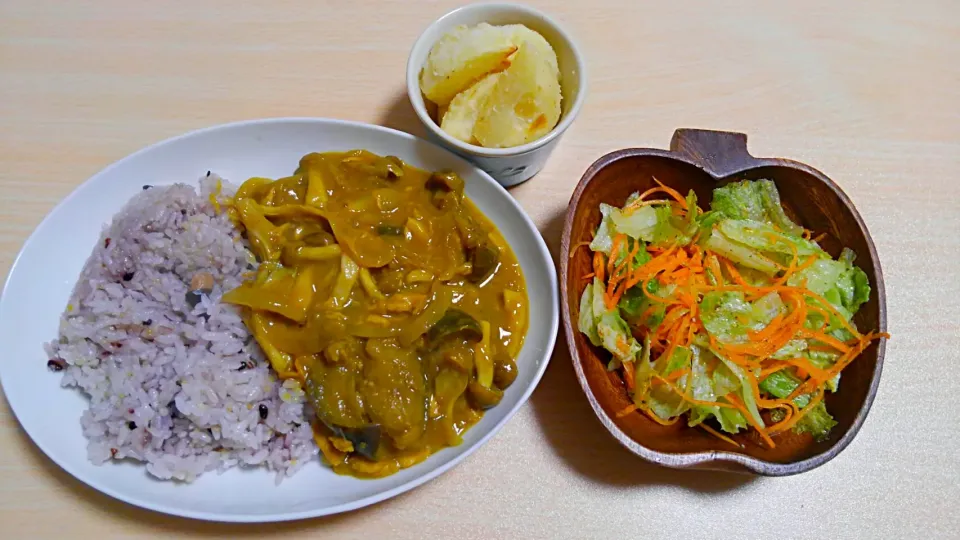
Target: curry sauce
391 298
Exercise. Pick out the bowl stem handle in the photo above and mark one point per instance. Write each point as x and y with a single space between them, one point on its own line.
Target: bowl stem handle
720 153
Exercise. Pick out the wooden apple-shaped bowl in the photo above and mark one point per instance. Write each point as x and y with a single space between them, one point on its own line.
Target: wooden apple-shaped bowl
702 160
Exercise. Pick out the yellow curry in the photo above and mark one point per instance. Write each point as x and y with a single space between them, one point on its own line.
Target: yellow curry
389 296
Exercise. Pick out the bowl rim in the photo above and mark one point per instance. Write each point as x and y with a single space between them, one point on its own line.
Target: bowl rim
142 502
425 42
704 459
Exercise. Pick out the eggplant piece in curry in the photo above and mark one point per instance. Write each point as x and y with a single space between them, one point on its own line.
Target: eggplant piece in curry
389 296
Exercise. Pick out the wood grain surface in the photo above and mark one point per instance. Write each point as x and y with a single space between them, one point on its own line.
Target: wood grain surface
865 91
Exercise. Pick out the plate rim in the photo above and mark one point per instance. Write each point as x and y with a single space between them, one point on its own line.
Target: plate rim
554 305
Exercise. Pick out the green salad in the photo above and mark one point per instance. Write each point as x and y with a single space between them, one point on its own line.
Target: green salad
732 319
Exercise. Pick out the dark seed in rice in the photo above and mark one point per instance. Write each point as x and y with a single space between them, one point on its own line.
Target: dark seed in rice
193 298
146 187
183 212
57 364
263 411
208 173
113 452
128 276
147 322
106 243
132 425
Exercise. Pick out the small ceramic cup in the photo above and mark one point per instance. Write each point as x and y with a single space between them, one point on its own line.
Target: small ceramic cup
509 166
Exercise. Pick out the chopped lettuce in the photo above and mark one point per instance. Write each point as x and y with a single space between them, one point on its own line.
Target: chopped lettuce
728 316
643 373
660 399
746 390
817 422
764 237
679 359
631 304
781 384
587 322
757 200
670 229
640 224
605 327
639 258
793 349
825 360
767 307
722 313
634 305
739 200
706 388
740 254
616 338
845 286
603 239
655 224
666 403
854 289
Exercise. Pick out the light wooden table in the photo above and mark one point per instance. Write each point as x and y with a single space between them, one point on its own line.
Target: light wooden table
865 91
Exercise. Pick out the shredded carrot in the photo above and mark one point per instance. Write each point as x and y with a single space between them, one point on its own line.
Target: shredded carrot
673 193
588 276
824 338
626 410
640 201
751 420
792 268
618 241
792 420
575 247
719 435
771 369
598 265
653 416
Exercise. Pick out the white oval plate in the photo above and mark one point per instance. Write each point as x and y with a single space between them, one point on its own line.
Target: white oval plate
47 268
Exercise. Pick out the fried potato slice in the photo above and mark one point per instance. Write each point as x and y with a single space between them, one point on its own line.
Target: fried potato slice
461 116
524 104
462 57
520 34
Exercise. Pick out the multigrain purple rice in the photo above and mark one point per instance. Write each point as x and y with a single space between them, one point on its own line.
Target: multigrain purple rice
169 395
